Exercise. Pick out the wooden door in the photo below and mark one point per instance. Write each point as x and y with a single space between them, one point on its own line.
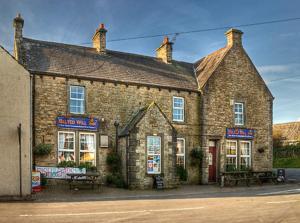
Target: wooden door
212 164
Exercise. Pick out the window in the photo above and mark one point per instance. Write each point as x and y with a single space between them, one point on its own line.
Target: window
245 155
238 113
178 109
77 103
180 152
153 155
66 146
231 155
87 148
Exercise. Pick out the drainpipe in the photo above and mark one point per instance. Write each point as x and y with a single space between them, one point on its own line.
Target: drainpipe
116 124
20 157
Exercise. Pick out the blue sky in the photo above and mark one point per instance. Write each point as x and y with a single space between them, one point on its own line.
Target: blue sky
274 48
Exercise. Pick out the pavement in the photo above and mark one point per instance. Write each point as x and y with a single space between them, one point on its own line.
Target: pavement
198 203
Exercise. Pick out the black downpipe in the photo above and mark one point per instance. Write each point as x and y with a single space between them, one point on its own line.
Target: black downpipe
20 157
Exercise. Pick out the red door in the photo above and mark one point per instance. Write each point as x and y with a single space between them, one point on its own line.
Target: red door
212 158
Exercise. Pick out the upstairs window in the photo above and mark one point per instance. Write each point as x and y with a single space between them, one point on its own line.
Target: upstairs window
178 109
238 113
77 100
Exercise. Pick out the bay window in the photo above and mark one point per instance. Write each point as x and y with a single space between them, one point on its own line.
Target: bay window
153 155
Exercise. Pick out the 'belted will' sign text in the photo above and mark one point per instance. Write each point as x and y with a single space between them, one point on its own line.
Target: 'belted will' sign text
77 123
238 133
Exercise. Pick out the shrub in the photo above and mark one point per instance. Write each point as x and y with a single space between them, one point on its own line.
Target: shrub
182 173
113 161
67 164
88 166
42 149
115 179
196 157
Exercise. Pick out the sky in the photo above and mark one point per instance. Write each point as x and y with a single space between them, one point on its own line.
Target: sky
273 48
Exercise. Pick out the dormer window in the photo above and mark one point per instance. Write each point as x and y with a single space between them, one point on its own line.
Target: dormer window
239 113
77 100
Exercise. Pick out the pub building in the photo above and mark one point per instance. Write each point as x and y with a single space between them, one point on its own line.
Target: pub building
90 101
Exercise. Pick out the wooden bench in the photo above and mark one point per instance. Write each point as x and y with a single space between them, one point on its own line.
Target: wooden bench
233 178
262 176
88 178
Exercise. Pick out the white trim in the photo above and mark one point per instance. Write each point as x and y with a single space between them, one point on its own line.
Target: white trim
232 156
239 113
95 145
66 150
183 139
76 99
183 109
250 152
160 156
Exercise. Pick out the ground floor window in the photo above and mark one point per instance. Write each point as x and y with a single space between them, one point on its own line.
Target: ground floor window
180 152
87 148
238 155
153 155
66 146
71 145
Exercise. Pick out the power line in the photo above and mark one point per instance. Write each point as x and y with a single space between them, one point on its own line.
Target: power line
201 30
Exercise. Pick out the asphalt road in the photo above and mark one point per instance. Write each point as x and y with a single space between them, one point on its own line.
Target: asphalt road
276 206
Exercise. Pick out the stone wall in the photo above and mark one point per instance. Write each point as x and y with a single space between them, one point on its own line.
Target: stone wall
110 102
236 79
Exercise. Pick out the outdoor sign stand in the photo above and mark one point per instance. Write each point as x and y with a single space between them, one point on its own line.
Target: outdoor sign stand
158 182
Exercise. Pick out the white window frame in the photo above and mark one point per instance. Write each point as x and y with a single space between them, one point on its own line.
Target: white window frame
239 113
179 108
245 156
181 154
66 150
76 99
160 155
95 146
232 156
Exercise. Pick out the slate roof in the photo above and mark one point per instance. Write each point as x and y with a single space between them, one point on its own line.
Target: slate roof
205 67
79 61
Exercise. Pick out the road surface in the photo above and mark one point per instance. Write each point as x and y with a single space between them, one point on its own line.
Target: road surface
272 207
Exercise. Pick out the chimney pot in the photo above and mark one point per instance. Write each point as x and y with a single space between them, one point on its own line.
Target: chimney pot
18 24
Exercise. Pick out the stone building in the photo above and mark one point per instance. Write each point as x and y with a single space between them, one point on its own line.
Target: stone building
287 133
15 129
160 108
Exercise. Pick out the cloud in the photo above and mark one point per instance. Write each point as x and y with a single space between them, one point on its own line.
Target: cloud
274 69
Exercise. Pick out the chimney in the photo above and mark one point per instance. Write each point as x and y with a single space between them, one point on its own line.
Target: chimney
18 25
234 37
164 52
99 39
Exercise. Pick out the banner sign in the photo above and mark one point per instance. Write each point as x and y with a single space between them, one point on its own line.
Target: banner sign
58 172
36 181
237 133
77 123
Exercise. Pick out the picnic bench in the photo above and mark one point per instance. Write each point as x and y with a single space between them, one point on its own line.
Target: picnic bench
88 178
235 177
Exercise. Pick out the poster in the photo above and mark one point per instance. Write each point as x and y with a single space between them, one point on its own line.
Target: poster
58 172
36 181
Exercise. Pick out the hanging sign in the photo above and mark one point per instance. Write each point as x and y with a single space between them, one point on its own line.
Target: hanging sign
77 123
238 133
